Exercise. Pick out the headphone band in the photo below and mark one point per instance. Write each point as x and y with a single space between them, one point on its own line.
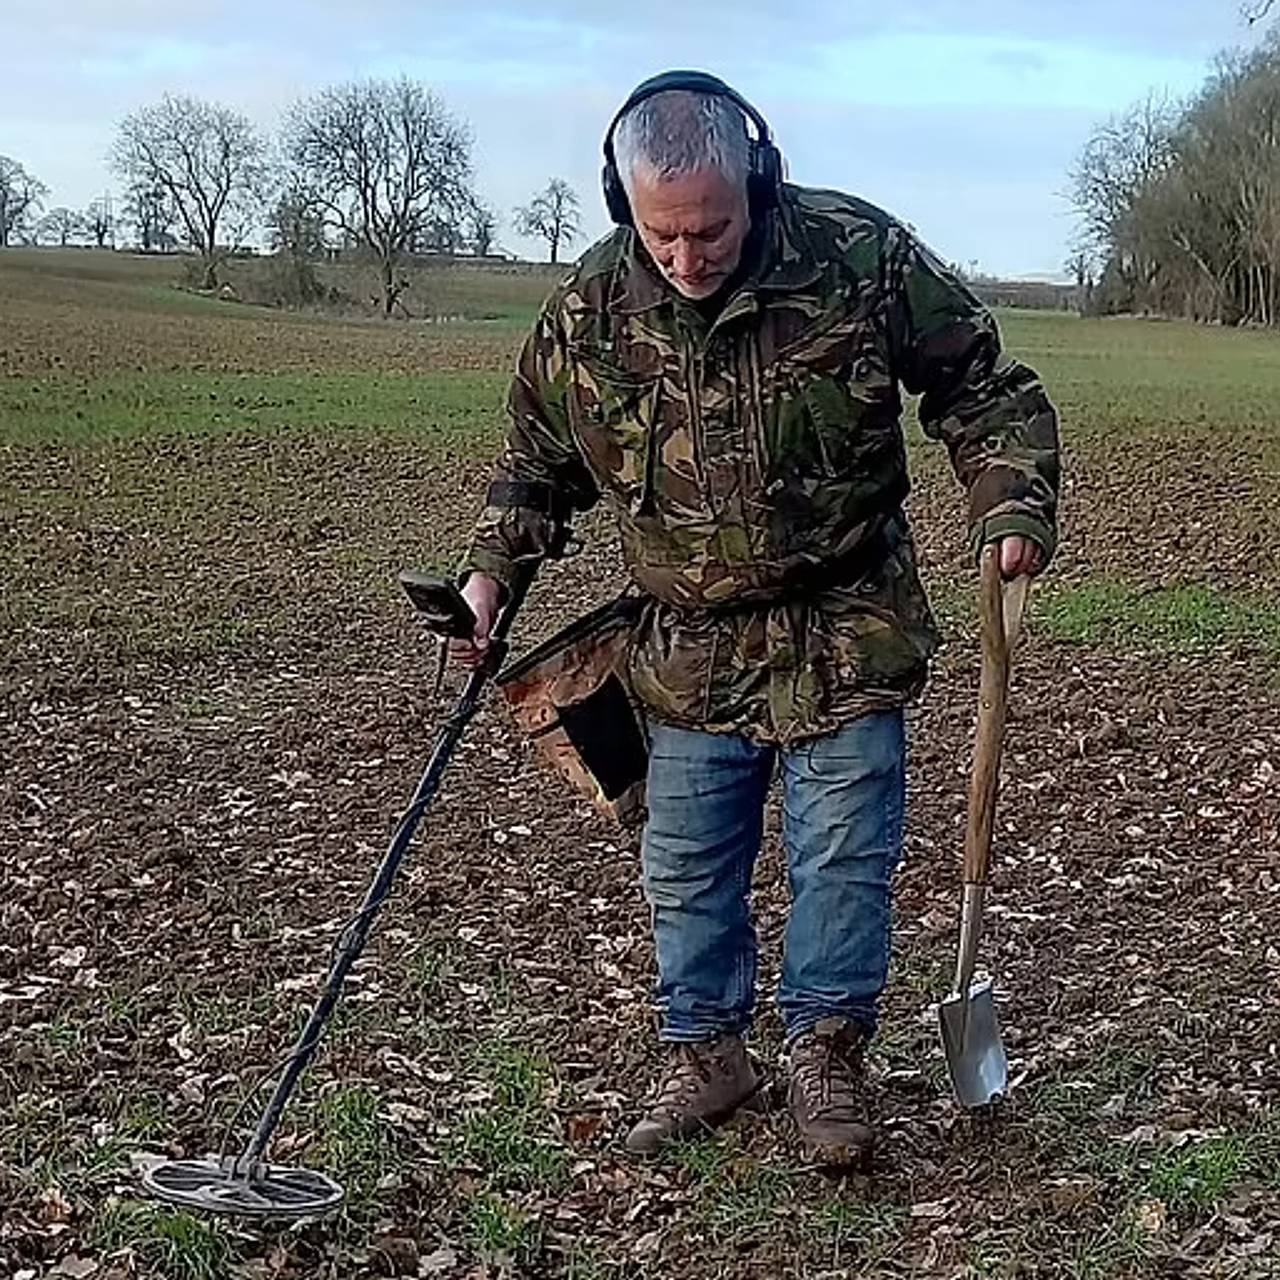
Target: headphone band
764 182
690 82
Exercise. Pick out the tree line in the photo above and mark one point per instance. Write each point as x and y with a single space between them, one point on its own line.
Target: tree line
378 166
1179 204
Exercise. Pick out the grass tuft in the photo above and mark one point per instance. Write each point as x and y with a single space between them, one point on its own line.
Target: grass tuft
500 1231
170 1245
512 1141
355 1145
1200 1175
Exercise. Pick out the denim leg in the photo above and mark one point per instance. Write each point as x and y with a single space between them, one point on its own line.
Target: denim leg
843 797
706 804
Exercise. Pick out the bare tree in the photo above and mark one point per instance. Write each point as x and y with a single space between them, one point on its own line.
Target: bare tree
21 196
296 234
295 226
1080 265
207 159
1229 164
1117 164
60 226
387 166
1117 160
1182 210
1256 10
552 215
148 207
482 228
99 221
443 234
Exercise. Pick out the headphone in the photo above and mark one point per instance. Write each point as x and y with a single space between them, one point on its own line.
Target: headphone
764 180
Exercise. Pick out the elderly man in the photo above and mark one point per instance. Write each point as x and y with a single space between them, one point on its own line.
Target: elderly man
725 370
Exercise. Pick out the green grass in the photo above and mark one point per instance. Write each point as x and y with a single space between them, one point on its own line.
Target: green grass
169 1245
458 407
522 1076
1200 1174
508 1148
355 1145
737 1198
739 1201
506 297
745 1201
509 1151
1106 1252
65 1037
512 1141
46 1144
1124 374
1188 1180
501 1232
216 1013
862 1231
1169 619
426 976
144 1119
1186 618
510 297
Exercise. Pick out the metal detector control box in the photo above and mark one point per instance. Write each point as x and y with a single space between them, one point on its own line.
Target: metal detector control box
440 603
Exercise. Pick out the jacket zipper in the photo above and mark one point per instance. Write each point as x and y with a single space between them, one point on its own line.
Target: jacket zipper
648 491
757 417
693 390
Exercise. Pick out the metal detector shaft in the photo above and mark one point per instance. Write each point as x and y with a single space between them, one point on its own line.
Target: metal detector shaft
354 937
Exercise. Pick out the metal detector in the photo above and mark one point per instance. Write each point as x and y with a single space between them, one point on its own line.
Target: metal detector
246 1184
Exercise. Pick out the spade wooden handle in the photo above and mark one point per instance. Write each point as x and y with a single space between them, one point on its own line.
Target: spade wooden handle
1001 607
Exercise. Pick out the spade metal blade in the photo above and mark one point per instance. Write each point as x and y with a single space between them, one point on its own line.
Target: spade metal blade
971 1037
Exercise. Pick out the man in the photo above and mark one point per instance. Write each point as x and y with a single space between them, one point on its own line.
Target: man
724 370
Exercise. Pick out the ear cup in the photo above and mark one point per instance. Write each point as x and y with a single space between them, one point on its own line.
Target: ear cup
768 174
615 195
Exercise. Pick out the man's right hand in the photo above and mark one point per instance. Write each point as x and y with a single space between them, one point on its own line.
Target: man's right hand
483 594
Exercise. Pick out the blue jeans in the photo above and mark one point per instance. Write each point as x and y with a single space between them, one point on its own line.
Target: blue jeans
843 800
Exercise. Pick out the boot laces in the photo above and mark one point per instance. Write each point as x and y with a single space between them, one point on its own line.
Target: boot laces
689 1070
827 1069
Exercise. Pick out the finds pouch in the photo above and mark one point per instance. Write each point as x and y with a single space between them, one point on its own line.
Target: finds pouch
571 696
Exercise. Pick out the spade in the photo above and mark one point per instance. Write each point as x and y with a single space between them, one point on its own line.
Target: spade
967 1017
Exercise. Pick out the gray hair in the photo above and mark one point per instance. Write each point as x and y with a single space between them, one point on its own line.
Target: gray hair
682 131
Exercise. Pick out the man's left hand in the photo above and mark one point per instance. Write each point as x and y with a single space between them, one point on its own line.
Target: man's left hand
1019 555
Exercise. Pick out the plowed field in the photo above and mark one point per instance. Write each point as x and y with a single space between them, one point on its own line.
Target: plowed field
213 706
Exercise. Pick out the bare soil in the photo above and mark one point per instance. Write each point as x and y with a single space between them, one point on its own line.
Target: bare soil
208 734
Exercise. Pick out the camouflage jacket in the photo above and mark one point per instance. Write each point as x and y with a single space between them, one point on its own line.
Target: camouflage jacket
756 465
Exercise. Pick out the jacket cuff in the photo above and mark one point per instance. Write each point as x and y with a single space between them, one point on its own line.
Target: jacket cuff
491 563
1004 524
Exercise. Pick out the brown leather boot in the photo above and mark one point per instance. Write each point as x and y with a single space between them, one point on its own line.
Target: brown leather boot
705 1083
826 1094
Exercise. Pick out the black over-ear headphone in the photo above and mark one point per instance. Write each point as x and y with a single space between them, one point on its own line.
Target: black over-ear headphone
764 181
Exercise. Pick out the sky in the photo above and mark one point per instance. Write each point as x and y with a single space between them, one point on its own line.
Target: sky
962 119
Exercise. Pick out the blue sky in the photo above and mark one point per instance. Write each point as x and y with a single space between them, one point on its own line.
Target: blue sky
960 118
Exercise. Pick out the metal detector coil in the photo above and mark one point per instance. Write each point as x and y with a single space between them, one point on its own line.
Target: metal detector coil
229 1186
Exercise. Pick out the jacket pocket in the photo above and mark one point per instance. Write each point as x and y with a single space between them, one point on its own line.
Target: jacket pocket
673 659
879 632
615 417
829 424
